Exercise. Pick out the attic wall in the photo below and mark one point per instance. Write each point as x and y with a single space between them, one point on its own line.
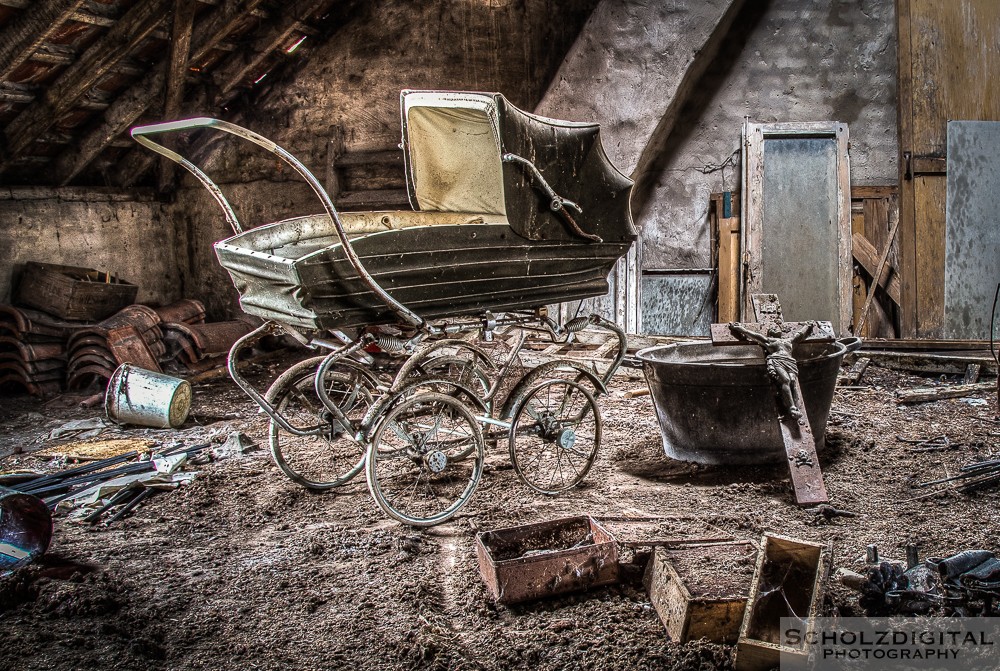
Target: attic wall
353 82
785 60
106 231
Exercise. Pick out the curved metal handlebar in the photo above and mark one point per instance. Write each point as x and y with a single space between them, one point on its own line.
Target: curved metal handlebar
139 133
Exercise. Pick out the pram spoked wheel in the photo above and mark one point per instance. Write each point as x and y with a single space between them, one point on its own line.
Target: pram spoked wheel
554 435
425 459
332 457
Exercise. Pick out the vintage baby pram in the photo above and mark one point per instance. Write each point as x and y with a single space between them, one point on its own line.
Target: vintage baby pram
512 212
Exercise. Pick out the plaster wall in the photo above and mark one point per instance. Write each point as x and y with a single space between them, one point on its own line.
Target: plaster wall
129 238
785 60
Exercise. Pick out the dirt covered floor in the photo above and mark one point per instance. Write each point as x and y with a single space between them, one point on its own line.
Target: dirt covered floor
242 569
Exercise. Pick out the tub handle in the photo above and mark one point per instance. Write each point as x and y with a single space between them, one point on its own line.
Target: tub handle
851 343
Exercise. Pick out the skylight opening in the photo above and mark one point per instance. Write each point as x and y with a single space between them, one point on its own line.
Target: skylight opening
296 45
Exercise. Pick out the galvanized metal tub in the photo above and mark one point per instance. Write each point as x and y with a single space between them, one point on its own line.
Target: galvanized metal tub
716 405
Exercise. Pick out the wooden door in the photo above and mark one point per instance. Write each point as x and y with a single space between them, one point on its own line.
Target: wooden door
949 54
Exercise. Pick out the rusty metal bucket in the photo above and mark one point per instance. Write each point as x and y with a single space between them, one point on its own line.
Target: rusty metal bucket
142 397
718 406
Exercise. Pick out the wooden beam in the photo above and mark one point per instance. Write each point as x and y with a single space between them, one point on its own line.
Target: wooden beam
231 72
26 32
180 52
134 102
238 66
93 65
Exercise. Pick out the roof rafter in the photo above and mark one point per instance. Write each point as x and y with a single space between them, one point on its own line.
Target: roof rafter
95 63
29 29
241 65
134 102
233 71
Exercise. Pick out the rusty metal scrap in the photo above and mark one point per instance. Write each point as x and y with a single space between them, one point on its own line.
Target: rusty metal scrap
184 311
547 558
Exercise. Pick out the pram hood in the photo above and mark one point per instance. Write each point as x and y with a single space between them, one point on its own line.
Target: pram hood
453 146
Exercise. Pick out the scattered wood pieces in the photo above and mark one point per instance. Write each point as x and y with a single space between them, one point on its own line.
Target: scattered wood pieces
929 444
924 394
637 392
853 376
972 373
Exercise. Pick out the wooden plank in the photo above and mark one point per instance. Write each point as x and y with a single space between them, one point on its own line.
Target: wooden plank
923 394
925 344
860 288
878 276
865 192
942 47
721 335
96 62
930 196
729 269
28 30
883 318
936 364
134 102
907 227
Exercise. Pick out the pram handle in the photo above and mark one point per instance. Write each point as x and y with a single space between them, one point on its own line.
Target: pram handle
140 133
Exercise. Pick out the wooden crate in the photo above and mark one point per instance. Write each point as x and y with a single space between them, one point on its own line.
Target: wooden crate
700 591
70 292
788 582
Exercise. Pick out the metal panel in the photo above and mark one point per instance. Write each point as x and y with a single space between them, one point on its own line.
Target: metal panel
676 304
972 237
797 232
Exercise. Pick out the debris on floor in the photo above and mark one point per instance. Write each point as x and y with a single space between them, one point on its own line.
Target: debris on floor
964 584
93 488
971 476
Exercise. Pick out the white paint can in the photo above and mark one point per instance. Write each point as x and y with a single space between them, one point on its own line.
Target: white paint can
138 396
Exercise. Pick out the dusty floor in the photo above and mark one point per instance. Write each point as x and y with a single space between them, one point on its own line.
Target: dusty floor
243 569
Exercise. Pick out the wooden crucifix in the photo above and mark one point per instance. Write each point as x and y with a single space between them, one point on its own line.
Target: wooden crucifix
777 338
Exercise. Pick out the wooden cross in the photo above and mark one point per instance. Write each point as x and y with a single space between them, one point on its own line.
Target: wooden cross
796 433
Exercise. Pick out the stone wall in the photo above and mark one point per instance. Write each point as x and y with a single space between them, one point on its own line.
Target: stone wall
111 232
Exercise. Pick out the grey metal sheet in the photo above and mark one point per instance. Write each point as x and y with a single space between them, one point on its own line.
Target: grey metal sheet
972 236
676 304
799 253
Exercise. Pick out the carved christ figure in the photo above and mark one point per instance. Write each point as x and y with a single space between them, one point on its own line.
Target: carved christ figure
781 365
